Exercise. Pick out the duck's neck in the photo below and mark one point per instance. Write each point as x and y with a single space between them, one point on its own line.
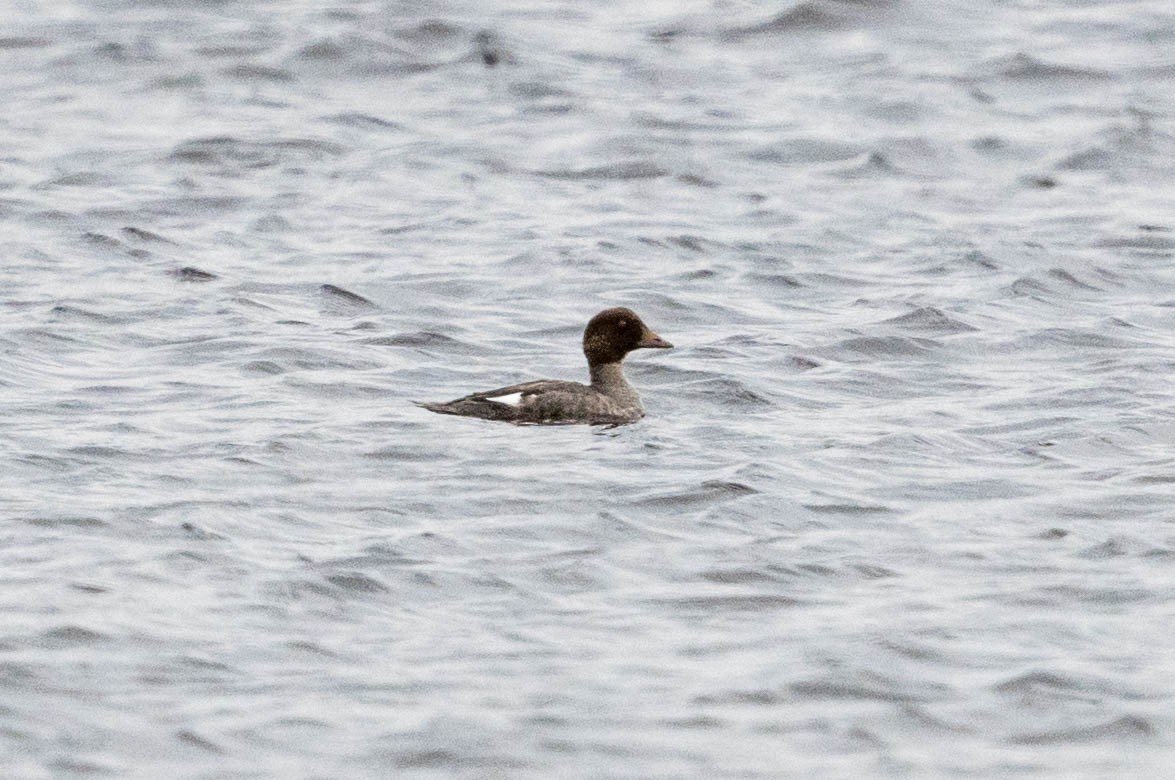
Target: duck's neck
608 378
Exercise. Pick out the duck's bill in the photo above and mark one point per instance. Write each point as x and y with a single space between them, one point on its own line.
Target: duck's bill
652 341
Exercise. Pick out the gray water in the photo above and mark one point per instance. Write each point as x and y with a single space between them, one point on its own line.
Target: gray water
904 501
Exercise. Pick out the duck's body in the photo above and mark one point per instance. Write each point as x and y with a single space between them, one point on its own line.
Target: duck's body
609 399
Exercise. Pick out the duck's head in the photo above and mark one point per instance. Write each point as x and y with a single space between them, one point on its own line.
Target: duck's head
613 333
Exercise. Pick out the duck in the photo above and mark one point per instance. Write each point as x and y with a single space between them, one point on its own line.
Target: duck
608 400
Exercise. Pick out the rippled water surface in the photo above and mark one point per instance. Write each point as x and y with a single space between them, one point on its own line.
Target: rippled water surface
904 500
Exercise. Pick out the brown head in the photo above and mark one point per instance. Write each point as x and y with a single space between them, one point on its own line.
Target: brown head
613 333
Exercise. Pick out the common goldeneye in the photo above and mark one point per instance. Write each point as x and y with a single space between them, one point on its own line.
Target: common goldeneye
609 336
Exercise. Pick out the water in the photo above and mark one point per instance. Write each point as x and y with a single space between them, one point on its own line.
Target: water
902 504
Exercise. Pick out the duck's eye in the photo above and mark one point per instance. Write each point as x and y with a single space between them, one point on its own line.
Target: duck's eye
623 323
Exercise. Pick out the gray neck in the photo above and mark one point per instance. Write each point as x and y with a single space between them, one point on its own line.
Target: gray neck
608 378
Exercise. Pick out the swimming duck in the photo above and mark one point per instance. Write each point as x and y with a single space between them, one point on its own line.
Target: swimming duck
609 399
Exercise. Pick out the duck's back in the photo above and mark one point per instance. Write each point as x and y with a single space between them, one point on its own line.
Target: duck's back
544 401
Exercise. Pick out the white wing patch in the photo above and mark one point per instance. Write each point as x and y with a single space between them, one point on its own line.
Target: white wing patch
512 399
